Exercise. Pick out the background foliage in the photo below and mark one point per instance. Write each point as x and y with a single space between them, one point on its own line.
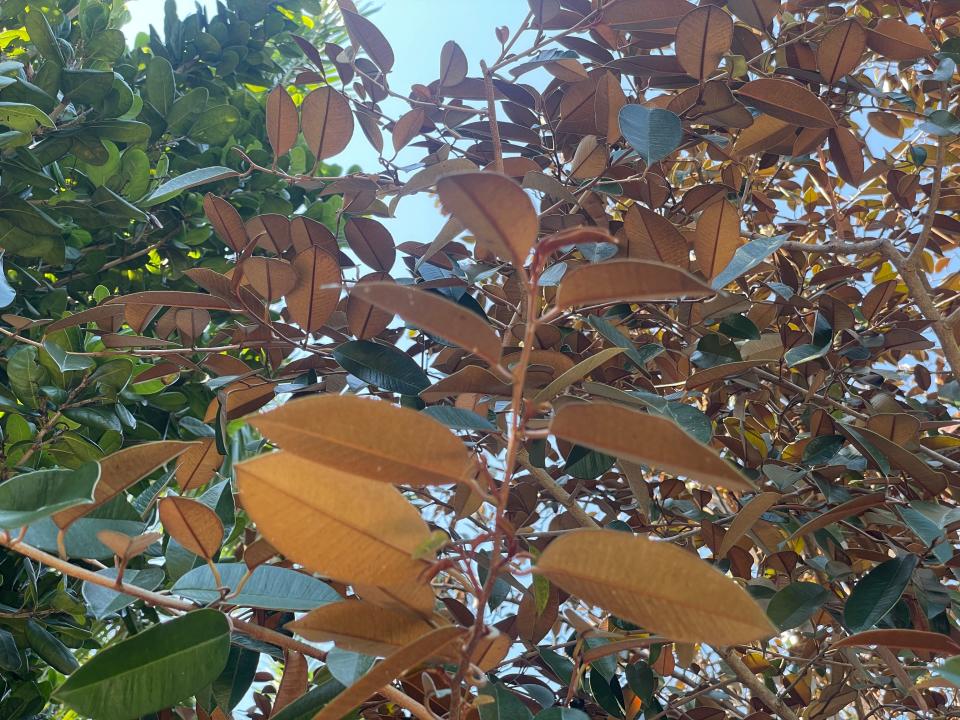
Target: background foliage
662 423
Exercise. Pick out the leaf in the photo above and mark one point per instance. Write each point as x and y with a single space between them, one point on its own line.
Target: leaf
293 685
198 465
272 278
103 602
755 13
576 373
372 243
716 239
365 34
283 123
650 584
654 134
67 361
627 281
877 592
851 508
394 666
23 117
704 36
269 587
459 418
226 221
788 101
317 292
495 209
794 604
160 84
155 669
614 430
192 524
896 40
915 640
215 125
383 366
407 448
746 519
307 706
368 534
840 50
27 497
650 236
453 64
435 314
504 706
363 627
326 121
407 127
122 469
347 667
172 188
235 680
746 257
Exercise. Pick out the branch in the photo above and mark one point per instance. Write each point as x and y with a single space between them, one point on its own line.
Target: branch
759 690
558 493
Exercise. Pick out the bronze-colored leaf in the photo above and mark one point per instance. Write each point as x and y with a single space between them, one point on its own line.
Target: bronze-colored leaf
495 209
628 281
270 277
372 243
652 237
283 123
396 665
121 469
746 519
405 447
197 466
716 238
192 524
361 627
327 122
317 292
363 319
293 684
897 40
342 526
850 508
840 50
436 315
646 439
306 233
658 586
755 13
126 547
407 128
788 101
368 36
226 221
704 36
915 640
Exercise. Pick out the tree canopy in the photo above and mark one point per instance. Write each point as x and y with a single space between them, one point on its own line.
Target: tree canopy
662 423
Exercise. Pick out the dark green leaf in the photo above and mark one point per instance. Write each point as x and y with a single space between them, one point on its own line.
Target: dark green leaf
384 366
192 179
877 592
237 677
39 494
795 603
459 418
161 666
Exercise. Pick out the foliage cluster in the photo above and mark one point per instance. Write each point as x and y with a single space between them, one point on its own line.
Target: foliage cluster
661 424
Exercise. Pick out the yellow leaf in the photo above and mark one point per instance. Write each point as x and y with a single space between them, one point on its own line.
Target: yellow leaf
373 439
656 585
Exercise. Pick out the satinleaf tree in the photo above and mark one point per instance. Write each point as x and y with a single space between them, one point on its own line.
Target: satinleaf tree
661 423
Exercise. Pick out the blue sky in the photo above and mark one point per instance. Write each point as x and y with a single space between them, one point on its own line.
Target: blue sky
417 30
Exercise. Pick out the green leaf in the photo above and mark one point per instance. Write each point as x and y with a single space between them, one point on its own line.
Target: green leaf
160 84
747 257
505 705
459 418
39 494
348 667
640 356
384 366
949 670
10 659
67 361
215 125
23 117
103 602
81 537
269 588
795 603
87 87
822 449
192 179
877 592
161 666
654 134
307 706
49 647
237 677
42 37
